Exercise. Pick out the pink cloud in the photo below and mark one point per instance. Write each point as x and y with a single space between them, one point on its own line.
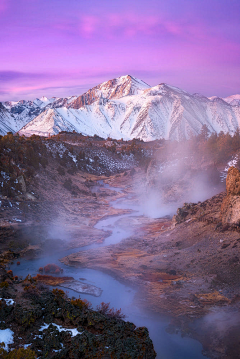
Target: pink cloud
128 25
131 25
89 25
3 5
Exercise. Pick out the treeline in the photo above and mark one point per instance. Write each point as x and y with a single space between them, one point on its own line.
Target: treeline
217 148
25 151
19 156
220 147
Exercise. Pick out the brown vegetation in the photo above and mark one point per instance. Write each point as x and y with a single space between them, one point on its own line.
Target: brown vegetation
104 308
50 280
18 354
52 268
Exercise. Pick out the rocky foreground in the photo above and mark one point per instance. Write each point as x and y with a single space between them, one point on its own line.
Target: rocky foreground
47 324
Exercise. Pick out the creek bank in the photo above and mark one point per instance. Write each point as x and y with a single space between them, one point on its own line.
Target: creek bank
113 290
73 330
188 268
69 283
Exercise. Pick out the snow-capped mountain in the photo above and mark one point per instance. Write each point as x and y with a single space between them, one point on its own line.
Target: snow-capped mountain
233 100
6 121
125 108
18 114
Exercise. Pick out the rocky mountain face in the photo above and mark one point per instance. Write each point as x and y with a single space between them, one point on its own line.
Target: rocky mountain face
124 108
230 208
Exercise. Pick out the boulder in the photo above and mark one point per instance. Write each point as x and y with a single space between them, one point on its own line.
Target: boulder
233 182
230 209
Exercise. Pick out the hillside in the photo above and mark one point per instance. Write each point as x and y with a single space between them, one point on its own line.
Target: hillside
56 194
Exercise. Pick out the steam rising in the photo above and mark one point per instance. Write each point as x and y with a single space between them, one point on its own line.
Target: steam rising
221 320
172 182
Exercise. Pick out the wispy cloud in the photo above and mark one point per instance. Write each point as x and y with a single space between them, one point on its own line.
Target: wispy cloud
126 25
9 76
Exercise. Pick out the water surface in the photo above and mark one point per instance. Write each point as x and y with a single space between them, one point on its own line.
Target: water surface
167 346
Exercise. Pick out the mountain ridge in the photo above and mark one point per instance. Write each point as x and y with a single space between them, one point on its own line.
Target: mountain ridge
124 107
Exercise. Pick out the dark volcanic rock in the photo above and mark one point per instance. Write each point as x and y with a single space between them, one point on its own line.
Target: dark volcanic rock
58 327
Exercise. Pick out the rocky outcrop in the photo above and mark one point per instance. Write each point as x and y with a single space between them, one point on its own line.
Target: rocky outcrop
233 182
230 208
53 326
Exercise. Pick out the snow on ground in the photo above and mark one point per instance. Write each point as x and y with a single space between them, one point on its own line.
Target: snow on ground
231 163
73 332
8 301
6 336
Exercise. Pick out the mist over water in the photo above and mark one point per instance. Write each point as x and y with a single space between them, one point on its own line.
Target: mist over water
219 321
171 182
168 346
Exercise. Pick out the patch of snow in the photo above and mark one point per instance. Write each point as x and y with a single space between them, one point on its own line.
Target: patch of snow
4 175
73 332
6 336
8 301
73 157
231 163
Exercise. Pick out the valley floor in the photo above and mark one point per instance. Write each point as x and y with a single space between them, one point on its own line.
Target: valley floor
186 267
189 270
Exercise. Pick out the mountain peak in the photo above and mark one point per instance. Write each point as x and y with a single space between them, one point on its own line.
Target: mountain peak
117 88
44 99
129 78
233 99
122 86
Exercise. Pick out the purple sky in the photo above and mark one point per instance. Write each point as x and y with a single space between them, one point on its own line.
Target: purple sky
65 47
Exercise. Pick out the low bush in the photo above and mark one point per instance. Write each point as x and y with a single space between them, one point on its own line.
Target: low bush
52 268
18 354
61 170
81 304
104 308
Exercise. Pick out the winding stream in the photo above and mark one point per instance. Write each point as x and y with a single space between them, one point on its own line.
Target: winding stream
167 346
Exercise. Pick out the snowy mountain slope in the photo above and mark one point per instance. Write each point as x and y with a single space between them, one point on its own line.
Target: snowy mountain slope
112 89
233 100
127 108
22 112
50 122
7 123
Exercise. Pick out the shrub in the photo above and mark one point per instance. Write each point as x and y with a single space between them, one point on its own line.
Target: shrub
4 284
52 268
31 292
68 184
29 279
72 171
104 308
58 292
81 304
10 272
18 354
61 171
